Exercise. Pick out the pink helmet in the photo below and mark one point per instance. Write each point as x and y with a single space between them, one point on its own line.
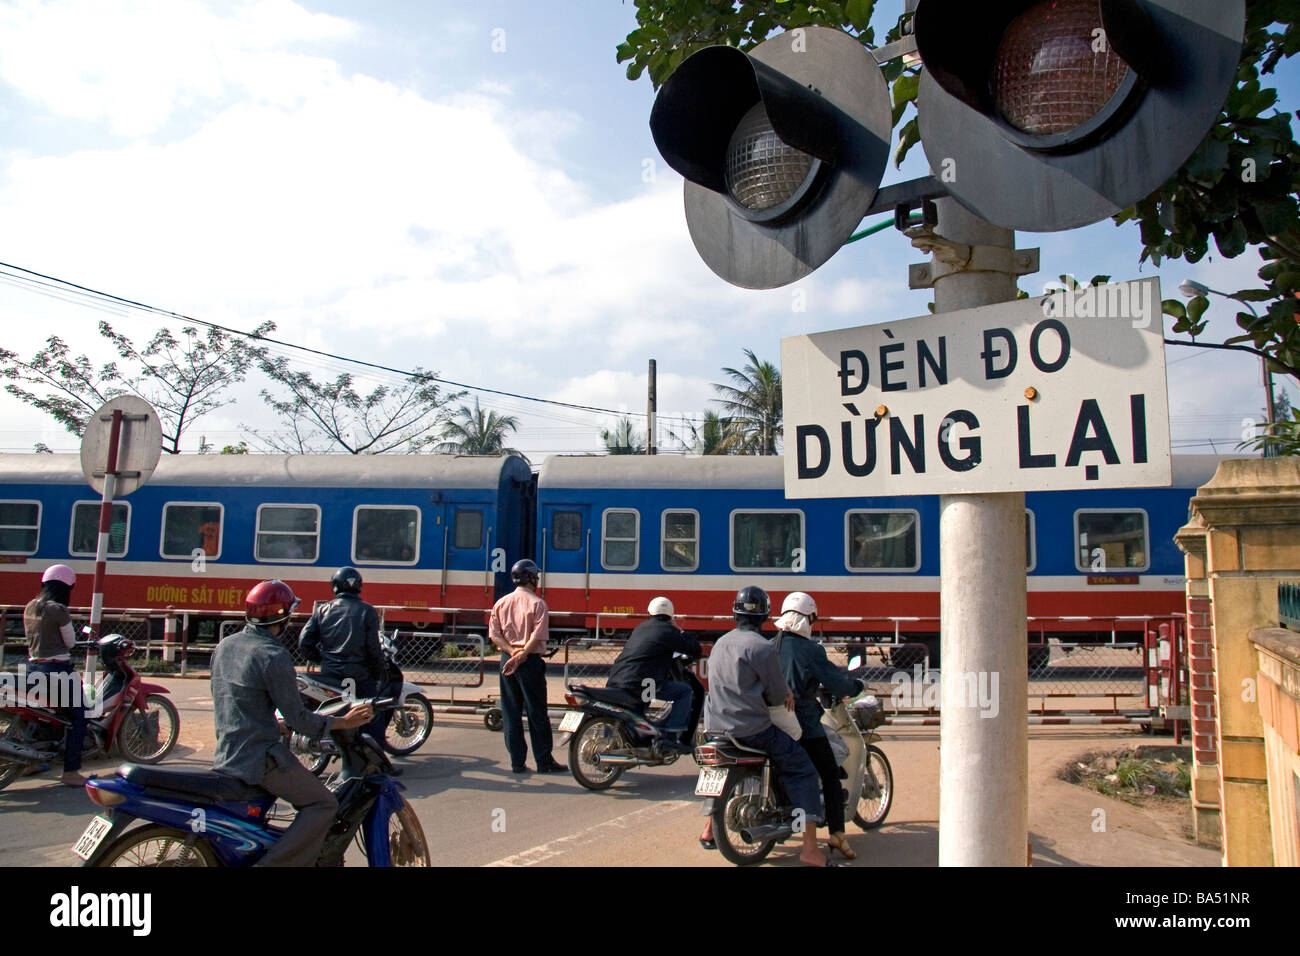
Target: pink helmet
61 573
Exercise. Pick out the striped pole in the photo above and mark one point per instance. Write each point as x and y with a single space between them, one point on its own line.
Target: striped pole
101 545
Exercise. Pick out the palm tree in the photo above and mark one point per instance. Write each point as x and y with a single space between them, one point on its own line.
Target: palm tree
623 440
471 431
715 435
753 405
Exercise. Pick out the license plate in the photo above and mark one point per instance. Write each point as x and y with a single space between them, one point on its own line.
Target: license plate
711 782
569 723
93 837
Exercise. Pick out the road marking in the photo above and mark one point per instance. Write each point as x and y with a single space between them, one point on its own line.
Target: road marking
554 848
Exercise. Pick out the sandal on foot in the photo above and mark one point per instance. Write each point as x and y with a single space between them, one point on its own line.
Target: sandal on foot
708 844
838 841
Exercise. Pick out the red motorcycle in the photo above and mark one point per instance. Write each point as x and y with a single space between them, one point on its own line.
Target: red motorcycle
124 712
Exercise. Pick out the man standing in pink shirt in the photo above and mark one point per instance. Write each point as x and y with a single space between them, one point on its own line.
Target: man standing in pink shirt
518 628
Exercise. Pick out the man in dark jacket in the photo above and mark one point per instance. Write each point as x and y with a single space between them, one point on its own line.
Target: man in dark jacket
343 637
643 668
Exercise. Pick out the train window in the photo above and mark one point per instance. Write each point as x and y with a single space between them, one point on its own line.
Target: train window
288 532
681 540
385 535
1031 556
20 526
188 528
468 530
883 540
85 528
566 531
1111 541
620 539
766 540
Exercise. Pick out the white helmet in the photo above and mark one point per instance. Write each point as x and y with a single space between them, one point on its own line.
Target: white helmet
800 603
660 605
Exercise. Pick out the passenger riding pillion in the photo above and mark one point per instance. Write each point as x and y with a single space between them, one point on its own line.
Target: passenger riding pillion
806 670
644 665
744 681
252 677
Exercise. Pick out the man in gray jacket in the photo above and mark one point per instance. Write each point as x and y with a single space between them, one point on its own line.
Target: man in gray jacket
744 681
252 677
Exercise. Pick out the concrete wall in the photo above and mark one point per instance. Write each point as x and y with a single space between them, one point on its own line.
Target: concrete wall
1278 657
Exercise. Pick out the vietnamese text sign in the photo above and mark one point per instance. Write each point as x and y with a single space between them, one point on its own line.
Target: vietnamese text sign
1064 391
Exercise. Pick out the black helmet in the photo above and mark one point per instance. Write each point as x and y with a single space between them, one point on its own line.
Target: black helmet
115 647
751 605
346 579
525 572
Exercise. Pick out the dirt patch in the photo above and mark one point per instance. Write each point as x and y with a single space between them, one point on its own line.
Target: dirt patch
1156 779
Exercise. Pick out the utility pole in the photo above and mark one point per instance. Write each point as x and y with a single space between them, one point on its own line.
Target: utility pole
651 404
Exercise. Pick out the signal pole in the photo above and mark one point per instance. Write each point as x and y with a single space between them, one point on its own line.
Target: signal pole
983 755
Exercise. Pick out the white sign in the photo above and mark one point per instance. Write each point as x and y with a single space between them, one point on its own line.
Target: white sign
1065 391
139 444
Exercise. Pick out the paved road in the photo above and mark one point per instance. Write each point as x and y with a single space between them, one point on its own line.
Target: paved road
475 812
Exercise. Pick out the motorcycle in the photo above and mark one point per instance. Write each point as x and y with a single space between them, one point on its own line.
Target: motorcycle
749 809
404 734
124 712
205 818
613 730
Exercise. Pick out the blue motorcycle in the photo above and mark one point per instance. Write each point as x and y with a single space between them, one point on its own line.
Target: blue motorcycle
205 818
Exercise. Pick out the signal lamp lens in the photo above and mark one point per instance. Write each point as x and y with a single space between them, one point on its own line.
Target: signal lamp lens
105 798
1055 69
761 170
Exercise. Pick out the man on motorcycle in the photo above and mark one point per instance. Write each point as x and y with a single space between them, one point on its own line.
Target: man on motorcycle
744 681
252 677
643 667
343 637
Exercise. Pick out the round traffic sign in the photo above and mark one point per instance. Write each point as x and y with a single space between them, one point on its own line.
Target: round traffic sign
139 444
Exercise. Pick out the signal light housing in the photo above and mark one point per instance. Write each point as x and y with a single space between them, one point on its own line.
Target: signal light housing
1045 115
782 150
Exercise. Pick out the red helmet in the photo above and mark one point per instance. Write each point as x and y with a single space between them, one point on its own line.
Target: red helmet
269 602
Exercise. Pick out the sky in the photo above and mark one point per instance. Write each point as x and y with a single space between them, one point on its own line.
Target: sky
467 188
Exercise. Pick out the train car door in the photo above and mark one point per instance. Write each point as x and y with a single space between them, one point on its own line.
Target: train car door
566 555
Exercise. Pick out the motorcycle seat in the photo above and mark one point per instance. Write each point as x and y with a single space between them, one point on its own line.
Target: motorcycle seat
726 743
198 786
611 695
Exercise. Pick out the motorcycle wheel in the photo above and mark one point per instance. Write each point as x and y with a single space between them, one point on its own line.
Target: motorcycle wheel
407 845
877 790
12 728
139 741
410 726
739 806
157 845
595 736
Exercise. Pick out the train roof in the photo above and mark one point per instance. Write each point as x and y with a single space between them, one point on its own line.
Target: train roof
372 471
742 471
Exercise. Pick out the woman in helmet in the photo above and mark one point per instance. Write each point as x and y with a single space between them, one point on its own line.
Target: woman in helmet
50 637
806 671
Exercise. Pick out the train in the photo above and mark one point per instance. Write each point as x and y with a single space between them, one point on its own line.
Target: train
609 532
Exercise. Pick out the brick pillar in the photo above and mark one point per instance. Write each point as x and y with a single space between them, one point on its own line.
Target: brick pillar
1201 687
1251 514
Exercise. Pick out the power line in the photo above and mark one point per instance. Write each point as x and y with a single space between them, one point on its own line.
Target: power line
65 284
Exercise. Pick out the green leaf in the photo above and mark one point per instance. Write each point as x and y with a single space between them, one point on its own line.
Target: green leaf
1208 164
908 136
859 12
1196 307
1099 280
1173 307
1253 295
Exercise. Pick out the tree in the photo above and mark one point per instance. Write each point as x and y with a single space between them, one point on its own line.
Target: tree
472 432
715 435
328 416
623 439
1242 186
753 406
182 378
